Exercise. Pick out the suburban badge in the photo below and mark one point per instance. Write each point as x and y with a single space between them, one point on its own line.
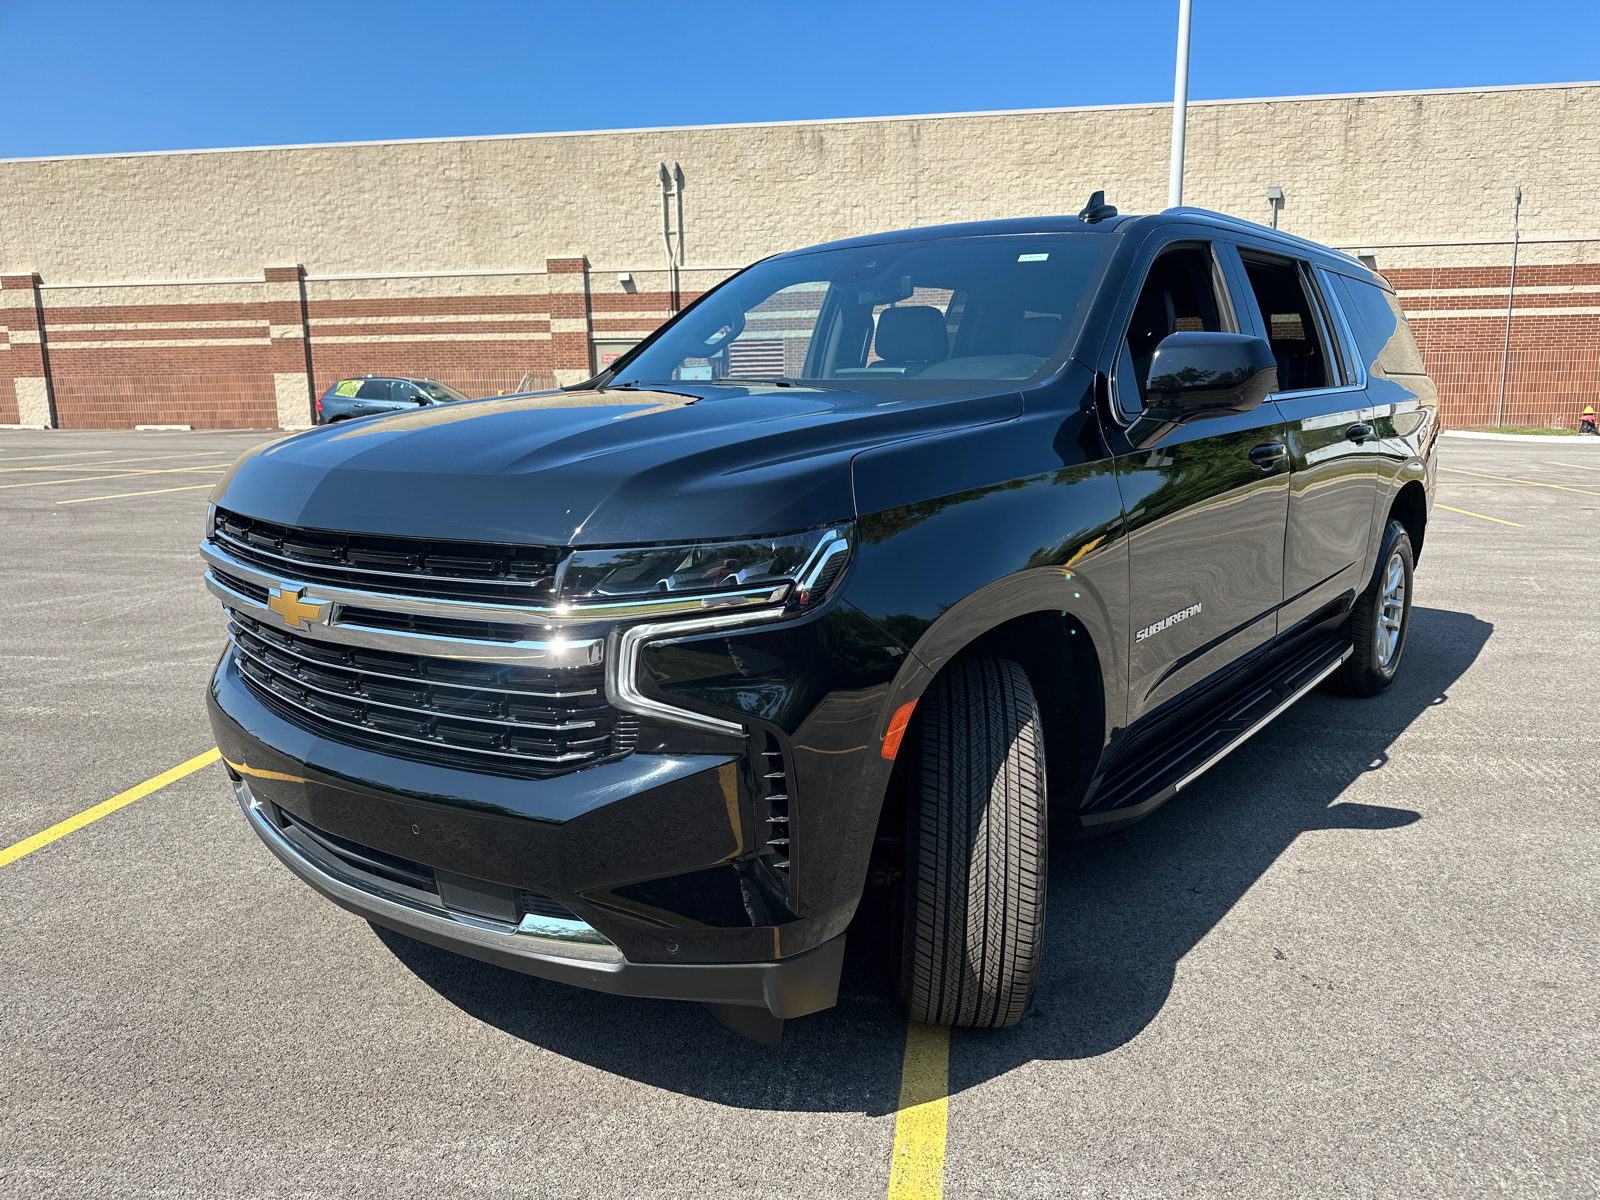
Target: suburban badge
1151 630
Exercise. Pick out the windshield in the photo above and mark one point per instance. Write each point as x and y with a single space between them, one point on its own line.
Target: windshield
918 317
437 392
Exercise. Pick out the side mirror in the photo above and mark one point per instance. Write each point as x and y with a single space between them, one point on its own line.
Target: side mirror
1194 376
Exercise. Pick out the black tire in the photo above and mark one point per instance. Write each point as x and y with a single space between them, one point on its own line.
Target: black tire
1369 670
976 851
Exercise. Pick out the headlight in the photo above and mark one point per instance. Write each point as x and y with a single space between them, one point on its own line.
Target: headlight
795 569
771 576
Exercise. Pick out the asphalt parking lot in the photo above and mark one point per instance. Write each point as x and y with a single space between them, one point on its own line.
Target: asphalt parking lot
1357 959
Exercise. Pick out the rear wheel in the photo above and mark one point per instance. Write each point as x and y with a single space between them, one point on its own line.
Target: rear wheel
1380 618
976 850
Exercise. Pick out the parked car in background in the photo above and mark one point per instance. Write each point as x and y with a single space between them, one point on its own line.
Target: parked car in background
374 394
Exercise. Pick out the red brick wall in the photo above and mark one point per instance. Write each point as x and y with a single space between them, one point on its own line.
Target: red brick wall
212 364
154 375
1553 368
496 342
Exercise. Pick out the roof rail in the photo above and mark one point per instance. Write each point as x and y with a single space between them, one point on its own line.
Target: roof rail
1258 230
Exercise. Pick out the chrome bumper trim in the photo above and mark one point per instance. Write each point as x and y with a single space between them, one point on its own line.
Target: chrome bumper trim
536 938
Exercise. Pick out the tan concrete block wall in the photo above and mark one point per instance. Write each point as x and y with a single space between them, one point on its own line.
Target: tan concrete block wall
1355 169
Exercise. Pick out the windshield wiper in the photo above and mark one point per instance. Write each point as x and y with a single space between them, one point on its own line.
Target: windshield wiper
774 381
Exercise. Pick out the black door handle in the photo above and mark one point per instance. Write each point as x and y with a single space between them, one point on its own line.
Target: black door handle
1359 432
1268 455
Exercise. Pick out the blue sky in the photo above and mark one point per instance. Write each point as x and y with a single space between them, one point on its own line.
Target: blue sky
87 77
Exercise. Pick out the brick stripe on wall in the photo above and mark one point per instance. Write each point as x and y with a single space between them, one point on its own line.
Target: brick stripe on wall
234 356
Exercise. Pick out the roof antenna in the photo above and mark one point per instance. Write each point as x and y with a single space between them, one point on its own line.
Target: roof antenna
1097 209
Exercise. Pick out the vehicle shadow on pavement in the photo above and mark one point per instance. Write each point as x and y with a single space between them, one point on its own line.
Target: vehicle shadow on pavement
1123 911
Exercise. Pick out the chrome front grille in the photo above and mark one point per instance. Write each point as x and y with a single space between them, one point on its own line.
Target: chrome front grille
500 719
391 644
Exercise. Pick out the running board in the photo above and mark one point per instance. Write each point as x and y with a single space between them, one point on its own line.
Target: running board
1131 790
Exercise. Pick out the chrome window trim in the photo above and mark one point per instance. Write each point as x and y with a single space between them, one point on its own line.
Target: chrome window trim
1330 296
473 610
622 669
535 937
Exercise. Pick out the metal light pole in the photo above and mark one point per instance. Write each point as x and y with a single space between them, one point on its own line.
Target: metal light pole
1511 298
1180 107
672 239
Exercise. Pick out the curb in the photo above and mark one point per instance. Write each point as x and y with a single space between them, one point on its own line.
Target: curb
1580 439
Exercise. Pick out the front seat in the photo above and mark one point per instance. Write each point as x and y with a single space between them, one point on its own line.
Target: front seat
911 337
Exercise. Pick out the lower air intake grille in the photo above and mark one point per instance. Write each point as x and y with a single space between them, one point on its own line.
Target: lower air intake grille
381 871
501 720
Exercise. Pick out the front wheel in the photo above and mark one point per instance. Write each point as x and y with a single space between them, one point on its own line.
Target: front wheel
976 849
1380 618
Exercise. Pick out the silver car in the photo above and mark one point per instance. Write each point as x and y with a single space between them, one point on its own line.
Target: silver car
375 394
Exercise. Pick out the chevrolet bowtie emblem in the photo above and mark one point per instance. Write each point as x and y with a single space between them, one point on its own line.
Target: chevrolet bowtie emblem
288 604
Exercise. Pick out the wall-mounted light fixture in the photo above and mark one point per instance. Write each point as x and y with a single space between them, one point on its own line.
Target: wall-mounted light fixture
1275 202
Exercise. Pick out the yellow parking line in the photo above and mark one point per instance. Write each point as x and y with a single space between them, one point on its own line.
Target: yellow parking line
1580 466
916 1172
1524 482
1480 516
117 475
89 815
124 495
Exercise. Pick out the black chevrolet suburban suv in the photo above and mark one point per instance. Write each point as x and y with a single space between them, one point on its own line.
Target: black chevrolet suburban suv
878 563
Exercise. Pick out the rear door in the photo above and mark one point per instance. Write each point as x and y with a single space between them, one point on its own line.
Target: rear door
373 397
1334 457
1205 506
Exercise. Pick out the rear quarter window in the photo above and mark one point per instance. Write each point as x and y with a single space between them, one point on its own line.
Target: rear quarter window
1380 329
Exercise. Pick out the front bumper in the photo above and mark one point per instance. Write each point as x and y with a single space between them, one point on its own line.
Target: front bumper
790 987
582 839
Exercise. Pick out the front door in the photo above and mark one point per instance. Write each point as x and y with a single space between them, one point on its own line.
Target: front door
1205 506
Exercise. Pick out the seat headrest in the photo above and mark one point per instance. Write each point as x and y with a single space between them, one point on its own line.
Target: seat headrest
1038 336
914 334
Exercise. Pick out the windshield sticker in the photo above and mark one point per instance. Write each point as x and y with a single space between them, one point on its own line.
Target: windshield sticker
347 387
1032 257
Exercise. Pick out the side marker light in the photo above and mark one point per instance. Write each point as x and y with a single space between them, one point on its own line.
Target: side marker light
897 729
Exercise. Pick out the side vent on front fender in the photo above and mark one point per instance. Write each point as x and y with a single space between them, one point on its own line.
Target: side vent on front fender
774 791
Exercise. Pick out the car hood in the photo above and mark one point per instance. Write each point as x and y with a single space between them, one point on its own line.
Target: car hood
602 467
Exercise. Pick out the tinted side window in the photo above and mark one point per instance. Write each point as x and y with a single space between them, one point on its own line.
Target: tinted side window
373 389
1178 296
1289 317
1380 328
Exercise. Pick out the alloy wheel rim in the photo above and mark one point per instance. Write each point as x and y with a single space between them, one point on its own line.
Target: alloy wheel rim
1391 613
